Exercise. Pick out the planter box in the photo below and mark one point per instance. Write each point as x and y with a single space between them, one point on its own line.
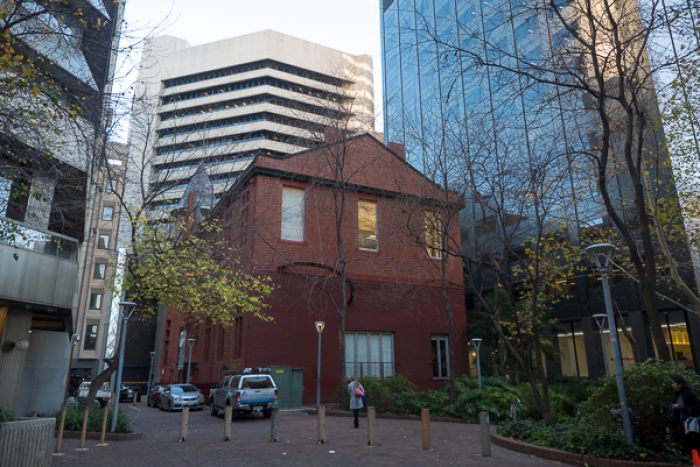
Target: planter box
27 442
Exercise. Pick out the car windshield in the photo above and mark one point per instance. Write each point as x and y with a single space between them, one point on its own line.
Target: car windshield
187 388
176 390
256 382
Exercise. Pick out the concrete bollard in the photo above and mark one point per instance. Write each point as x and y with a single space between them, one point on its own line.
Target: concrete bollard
425 423
105 415
183 423
228 414
321 425
61 427
371 420
83 431
134 402
485 434
273 425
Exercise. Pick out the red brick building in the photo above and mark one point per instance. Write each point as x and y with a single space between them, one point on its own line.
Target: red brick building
281 215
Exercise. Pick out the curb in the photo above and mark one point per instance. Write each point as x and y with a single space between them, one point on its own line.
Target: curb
570 457
387 416
108 436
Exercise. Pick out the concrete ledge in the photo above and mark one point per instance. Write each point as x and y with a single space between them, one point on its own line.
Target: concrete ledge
108 437
569 457
332 411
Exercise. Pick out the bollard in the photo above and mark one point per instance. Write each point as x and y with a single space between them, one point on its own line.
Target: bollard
61 426
83 432
485 434
105 413
134 401
273 425
321 425
371 418
425 422
183 423
228 413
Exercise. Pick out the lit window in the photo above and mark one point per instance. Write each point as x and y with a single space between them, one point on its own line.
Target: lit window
433 235
90 341
95 301
441 357
367 225
369 354
107 213
103 242
572 349
100 271
292 214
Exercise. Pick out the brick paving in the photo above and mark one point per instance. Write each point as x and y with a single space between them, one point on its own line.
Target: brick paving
399 444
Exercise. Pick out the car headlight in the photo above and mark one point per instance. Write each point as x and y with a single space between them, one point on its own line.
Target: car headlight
177 399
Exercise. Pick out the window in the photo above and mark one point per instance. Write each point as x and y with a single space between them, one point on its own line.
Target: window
95 301
100 271
367 225
675 330
369 354
572 349
441 357
107 213
292 214
433 235
90 341
103 242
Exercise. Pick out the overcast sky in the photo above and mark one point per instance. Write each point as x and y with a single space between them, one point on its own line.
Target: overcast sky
347 25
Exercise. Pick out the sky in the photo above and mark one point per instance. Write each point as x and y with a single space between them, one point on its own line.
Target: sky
347 25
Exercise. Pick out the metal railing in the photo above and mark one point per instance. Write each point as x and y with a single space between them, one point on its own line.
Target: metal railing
374 369
22 236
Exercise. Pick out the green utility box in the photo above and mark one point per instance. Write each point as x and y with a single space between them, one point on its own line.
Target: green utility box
290 383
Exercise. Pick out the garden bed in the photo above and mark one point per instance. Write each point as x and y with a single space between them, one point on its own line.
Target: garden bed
108 436
570 457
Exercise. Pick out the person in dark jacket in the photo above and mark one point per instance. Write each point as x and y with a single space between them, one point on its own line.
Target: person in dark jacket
686 406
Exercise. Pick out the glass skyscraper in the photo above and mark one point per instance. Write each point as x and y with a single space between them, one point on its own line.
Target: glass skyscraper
456 96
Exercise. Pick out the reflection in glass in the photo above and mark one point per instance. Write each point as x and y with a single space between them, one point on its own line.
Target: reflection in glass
367 225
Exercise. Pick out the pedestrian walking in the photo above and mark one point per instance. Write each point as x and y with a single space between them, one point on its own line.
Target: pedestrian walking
357 399
684 414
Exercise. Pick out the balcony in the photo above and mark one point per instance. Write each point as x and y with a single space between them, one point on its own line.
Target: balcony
38 267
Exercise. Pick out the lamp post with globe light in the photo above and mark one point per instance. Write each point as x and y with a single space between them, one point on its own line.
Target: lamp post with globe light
476 342
319 325
601 254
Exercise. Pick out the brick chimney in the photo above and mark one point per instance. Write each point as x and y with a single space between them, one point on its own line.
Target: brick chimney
398 149
332 135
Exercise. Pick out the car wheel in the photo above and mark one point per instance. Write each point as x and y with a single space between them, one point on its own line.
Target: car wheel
267 413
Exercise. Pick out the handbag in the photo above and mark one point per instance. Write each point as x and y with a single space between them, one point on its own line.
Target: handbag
358 391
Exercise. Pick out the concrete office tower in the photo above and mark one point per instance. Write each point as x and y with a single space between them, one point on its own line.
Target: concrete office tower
219 104
47 168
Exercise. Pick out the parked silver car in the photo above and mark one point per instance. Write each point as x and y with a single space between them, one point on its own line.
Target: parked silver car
177 396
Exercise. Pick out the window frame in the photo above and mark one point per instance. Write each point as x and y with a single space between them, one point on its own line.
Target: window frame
440 338
105 210
352 360
88 325
285 235
428 226
103 245
376 225
102 267
98 305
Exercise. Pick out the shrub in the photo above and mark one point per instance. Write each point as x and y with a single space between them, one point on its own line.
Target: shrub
649 392
496 397
583 438
381 392
564 399
6 416
74 419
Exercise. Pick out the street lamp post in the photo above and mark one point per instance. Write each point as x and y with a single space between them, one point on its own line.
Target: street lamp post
476 342
126 309
601 253
190 344
150 373
319 325
600 319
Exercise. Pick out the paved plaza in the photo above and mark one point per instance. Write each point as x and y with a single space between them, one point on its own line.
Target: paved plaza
399 444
